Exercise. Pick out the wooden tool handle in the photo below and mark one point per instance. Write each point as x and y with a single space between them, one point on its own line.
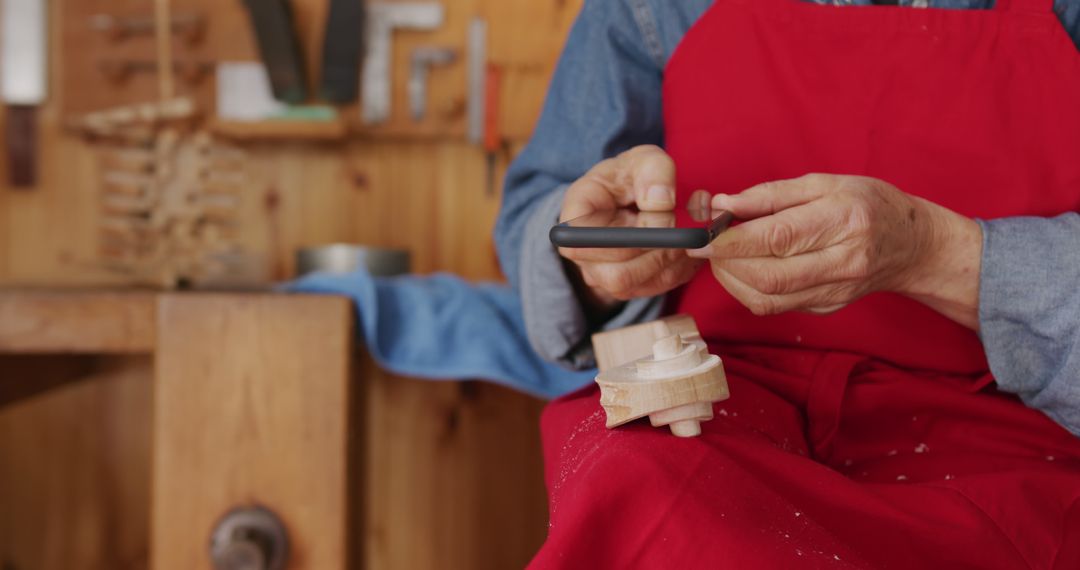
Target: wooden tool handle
279 48
20 136
492 83
342 41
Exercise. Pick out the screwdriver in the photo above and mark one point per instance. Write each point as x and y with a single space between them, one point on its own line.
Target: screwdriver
492 137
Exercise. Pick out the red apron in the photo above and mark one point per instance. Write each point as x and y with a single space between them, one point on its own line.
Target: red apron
868 438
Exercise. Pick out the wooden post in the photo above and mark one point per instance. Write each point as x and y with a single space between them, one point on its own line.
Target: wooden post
252 407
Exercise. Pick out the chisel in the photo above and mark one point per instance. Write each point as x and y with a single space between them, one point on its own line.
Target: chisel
342 41
279 48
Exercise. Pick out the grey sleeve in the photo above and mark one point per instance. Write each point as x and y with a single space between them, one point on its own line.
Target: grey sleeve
1029 311
554 319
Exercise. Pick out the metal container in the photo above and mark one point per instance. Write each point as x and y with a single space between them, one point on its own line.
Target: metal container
345 258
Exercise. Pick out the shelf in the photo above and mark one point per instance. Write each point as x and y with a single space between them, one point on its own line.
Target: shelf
77 322
280 130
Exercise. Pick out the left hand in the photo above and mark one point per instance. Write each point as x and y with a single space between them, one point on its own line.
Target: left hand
819 242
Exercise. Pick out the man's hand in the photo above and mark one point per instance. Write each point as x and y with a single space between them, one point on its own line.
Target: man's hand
642 176
819 242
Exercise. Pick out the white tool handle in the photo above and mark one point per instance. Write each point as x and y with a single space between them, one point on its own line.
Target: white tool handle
23 56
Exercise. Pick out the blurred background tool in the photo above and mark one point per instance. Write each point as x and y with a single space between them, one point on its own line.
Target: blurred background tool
422 60
279 48
346 258
376 78
23 71
342 41
243 92
247 110
477 74
493 141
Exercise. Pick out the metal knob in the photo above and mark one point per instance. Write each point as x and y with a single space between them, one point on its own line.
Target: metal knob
249 539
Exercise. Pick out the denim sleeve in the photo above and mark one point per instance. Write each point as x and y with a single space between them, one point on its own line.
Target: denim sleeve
604 98
1029 311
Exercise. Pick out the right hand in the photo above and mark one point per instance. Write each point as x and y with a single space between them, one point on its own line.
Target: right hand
643 176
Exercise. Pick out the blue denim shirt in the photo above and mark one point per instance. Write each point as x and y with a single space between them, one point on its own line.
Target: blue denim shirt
605 97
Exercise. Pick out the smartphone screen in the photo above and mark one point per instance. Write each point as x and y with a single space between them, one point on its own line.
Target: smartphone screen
630 228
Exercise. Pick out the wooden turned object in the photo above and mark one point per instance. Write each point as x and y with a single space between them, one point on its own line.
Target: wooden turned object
674 383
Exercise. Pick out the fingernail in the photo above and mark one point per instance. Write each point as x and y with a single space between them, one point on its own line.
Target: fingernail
660 195
698 253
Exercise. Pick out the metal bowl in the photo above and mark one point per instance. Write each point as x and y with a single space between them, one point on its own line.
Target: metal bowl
346 258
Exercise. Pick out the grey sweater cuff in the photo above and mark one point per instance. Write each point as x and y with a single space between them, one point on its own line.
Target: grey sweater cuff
1029 311
554 319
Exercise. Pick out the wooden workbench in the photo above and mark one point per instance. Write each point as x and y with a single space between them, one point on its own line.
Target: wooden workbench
155 414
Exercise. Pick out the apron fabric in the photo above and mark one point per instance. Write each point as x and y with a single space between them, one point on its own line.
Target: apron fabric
872 437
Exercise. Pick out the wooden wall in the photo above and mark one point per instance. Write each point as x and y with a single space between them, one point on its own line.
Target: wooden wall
403 185
76 458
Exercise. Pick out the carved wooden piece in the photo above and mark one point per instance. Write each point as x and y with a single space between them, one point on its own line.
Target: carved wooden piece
617 347
674 383
170 211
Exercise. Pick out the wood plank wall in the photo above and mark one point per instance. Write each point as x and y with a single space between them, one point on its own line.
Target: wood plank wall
76 458
416 187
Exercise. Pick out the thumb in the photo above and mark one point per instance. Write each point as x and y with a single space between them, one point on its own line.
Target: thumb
768 198
652 177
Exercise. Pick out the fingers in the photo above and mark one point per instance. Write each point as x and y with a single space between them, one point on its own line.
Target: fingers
655 220
672 276
699 205
649 173
644 175
652 273
814 243
781 276
593 192
599 254
820 299
772 197
797 230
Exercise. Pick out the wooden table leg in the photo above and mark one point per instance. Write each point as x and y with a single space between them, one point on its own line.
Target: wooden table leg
252 407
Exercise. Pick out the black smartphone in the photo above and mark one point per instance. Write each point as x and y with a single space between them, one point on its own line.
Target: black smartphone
629 228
